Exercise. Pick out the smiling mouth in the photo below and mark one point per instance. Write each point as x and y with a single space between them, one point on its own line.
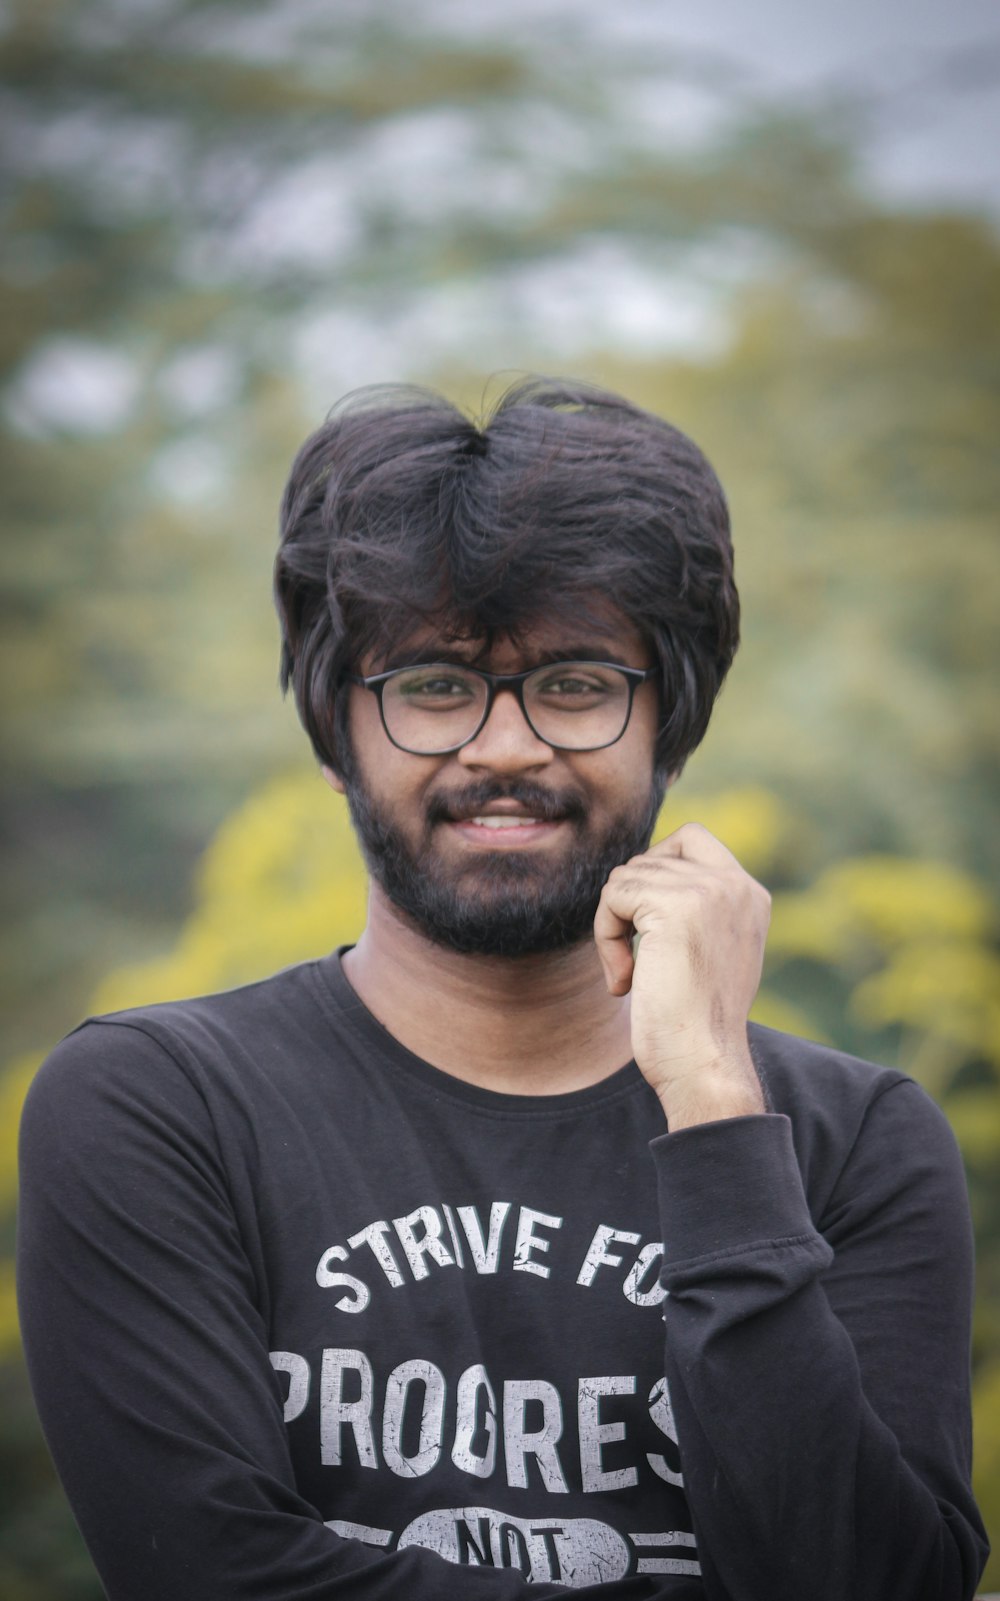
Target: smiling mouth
512 815
498 821
497 831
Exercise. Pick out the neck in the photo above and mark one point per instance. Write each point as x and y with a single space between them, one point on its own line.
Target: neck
530 1025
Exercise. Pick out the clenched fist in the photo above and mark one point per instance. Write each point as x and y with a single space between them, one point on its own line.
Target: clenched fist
693 971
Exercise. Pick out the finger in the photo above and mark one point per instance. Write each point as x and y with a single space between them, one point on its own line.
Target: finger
639 893
693 843
613 937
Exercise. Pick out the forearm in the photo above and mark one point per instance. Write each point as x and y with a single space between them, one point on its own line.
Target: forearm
796 1481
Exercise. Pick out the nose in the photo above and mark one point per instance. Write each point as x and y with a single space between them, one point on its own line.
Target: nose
506 742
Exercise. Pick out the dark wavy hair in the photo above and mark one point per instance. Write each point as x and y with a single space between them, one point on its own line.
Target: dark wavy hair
400 511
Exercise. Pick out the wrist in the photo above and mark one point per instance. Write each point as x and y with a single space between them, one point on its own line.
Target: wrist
707 1109
712 1092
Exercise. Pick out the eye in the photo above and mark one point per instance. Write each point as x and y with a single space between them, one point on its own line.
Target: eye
569 684
435 687
574 681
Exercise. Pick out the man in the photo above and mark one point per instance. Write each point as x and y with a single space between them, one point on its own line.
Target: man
498 1249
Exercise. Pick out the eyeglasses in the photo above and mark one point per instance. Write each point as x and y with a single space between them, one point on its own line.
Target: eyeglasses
436 708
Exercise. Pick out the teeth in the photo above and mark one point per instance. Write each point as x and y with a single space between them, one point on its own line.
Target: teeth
505 822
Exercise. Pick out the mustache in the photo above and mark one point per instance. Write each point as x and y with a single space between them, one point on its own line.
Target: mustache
549 805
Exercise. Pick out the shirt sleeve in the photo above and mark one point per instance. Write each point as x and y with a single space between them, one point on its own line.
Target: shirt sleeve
147 1349
820 1376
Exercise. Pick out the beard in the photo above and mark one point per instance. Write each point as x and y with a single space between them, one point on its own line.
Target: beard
504 903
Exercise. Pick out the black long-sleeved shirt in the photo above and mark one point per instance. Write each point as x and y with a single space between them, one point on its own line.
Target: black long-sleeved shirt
305 1316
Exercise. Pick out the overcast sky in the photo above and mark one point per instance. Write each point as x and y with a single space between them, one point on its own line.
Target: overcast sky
930 67
933 67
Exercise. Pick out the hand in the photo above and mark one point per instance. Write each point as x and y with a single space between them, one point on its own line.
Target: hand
701 923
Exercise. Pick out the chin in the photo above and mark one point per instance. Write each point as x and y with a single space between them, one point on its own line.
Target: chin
506 918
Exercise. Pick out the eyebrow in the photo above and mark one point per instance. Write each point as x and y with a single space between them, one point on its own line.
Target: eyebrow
421 656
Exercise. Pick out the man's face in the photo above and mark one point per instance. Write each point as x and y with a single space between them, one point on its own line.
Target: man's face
502 848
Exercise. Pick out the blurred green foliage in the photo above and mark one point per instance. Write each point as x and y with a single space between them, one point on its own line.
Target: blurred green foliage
162 159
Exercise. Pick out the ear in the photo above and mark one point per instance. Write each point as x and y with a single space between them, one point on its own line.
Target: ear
333 779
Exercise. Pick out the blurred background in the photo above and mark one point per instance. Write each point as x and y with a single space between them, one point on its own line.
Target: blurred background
775 225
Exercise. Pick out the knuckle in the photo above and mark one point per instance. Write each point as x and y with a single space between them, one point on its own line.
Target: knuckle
694 830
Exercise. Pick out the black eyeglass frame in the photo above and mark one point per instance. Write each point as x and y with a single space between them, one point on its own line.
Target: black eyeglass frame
634 676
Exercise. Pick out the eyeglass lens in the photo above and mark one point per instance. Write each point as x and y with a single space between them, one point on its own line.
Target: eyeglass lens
573 705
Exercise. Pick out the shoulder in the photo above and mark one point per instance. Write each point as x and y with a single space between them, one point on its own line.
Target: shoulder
273 1001
817 1084
185 1049
800 1071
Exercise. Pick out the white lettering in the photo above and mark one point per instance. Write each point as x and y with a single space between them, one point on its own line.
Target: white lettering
427 1243
662 1413
299 1378
456 1243
644 1261
336 1412
573 1551
374 1235
528 1241
327 1279
485 1253
519 1442
397 1392
467 1425
359 1531
597 1254
594 1434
